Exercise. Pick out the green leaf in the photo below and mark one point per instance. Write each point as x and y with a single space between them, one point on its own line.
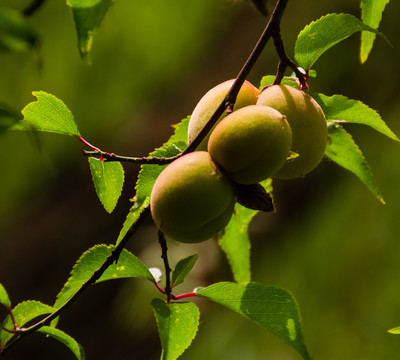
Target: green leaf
344 151
395 330
271 307
235 242
177 326
4 299
341 108
65 339
8 119
15 33
322 34
371 15
183 268
269 80
49 114
108 179
23 313
88 15
128 265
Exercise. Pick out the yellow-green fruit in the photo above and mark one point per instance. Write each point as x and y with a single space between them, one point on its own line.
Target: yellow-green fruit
251 144
191 199
209 104
308 124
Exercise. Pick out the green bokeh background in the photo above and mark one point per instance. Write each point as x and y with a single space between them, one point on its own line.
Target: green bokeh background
331 243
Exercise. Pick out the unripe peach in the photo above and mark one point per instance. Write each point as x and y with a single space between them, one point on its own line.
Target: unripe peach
209 103
191 199
251 144
308 124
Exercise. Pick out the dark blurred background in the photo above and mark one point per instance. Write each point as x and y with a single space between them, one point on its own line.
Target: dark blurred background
331 243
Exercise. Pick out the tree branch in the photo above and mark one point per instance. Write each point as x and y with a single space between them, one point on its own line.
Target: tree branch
32 7
164 255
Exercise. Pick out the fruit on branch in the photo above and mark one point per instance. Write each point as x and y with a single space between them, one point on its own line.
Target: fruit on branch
209 103
308 124
251 144
191 199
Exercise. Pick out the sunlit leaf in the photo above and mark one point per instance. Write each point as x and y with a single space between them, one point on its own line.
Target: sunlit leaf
48 114
4 299
15 33
344 151
371 14
322 34
272 307
269 80
177 326
395 330
23 313
88 16
65 339
339 107
108 178
183 268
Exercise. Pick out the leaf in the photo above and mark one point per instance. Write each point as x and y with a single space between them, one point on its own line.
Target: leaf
108 179
23 313
4 299
269 80
88 16
15 33
395 330
371 14
339 107
183 268
235 241
8 119
271 307
128 265
322 34
49 114
65 339
344 151
149 173
177 326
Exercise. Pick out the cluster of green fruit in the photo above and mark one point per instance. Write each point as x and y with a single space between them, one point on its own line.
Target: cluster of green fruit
280 132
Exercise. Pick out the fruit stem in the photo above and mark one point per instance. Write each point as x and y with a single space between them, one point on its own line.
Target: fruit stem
164 256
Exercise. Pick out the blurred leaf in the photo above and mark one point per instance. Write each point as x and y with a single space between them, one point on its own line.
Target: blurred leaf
339 107
271 307
128 265
49 114
261 6
371 14
15 32
235 242
149 173
65 339
269 80
88 15
395 330
322 34
8 119
177 326
108 179
344 151
23 313
183 268
4 299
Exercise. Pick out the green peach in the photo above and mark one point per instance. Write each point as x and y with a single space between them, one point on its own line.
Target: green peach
251 144
191 199
308 124
209 103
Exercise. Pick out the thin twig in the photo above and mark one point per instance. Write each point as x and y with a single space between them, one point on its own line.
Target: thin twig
164 256
33 7
136 160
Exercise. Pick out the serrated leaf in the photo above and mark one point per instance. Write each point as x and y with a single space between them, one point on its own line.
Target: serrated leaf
322 34
48 114
344 151
339 107
235 242
182 268
128 265
88 16
177 324
108 178
395 330
23 313
272 307
15 33
371 14
4 299
65 339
